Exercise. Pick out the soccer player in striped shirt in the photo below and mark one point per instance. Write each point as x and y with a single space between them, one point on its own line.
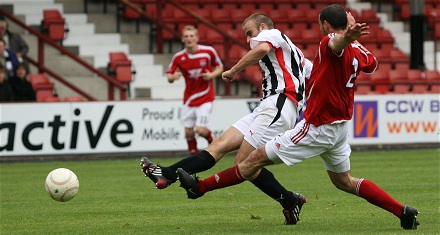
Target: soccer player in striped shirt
283 67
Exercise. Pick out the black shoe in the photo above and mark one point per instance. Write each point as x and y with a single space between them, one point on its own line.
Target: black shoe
292 214
409 218
189 183
154 172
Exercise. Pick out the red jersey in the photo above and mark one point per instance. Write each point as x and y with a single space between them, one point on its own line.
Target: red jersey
197 90
331 86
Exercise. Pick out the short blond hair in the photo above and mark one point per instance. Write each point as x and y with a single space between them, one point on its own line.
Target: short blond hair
190 28
259 18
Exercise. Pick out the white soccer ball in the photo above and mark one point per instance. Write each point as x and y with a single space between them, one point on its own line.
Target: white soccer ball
62 184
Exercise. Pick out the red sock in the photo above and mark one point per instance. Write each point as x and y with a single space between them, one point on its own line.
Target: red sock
228 177
377 196
192 145
208 136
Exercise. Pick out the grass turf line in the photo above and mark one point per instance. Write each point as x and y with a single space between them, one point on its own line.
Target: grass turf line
115 198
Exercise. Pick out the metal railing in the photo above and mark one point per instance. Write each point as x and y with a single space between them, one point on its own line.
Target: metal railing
39 63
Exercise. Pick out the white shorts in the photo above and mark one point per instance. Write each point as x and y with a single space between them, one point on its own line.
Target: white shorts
330 141
196 116
274 115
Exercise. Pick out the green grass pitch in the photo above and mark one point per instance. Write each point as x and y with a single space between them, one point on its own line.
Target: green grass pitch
115 198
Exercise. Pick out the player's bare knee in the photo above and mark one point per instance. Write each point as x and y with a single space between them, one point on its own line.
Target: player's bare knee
200 130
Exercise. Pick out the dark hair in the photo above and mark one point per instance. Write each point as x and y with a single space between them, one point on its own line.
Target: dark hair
335 15
23 65
259 18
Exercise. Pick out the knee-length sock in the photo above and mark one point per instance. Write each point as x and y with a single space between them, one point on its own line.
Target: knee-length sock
226 178
267 183
192 164
377 196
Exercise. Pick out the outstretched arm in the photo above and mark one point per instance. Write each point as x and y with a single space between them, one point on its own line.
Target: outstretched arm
252 57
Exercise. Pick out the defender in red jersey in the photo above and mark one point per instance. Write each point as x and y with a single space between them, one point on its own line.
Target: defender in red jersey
323 131
199 65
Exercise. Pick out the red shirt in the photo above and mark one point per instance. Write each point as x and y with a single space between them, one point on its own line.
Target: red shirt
331 85
197 90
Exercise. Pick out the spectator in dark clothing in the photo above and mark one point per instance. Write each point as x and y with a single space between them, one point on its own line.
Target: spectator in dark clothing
21 86
13 40
6 94
8 59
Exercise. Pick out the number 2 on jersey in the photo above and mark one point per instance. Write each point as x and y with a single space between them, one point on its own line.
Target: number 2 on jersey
355 65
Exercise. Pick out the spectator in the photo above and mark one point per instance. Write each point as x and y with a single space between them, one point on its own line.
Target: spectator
199 65
5 88
8 59
21 86
13 40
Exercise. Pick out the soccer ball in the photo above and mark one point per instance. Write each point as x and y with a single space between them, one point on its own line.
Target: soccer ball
62 184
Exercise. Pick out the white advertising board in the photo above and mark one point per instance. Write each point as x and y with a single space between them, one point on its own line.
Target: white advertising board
143 126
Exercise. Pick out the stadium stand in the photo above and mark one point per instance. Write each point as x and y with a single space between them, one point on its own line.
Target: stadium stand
290 18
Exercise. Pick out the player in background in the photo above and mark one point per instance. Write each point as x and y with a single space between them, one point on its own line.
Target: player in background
199 65
324 129
283 66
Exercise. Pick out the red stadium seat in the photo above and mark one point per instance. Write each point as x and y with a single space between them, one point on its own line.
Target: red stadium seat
130 14
398 57
370 41
433 76
386 39
180 16
221 16
73 99
54 24
209 35
49 98
311 37
120 66
399 81
383 57
297 18
380 81
220 48
419 83
309 53
295 36
312 15
404 11
238 15
42 85
236 52
363 84
369 16
254 76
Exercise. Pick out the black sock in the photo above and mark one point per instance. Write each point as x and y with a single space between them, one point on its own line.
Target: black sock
267 183
192 164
